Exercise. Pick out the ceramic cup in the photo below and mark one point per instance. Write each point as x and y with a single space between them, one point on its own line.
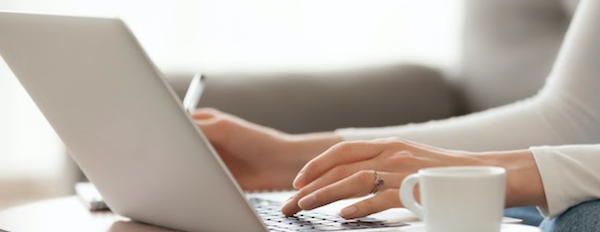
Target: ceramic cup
457 199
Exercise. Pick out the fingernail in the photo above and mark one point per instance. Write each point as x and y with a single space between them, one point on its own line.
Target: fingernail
287 208
299 180
347 212
307 202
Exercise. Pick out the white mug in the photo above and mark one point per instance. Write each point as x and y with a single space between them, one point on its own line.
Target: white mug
457 199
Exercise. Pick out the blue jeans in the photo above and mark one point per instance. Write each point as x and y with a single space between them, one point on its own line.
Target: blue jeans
530 215
584 217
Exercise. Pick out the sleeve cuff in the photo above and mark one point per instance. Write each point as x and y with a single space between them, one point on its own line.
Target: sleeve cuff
550 176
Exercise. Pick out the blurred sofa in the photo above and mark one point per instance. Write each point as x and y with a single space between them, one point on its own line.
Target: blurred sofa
508 49
321 101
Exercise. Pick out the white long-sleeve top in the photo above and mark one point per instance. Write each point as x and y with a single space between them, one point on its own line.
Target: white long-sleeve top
565 111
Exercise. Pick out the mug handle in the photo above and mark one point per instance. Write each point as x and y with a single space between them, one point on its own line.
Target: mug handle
406 195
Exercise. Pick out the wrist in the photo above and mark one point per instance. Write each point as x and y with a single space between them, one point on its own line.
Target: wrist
523 182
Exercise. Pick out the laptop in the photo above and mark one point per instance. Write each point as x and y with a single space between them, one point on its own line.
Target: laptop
128 132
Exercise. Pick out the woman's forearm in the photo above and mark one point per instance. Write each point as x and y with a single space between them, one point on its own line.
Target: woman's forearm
524 185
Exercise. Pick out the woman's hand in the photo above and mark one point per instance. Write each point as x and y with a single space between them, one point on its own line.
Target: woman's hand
344 171
260 157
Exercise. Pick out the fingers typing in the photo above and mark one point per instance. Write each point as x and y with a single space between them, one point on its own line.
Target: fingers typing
342 153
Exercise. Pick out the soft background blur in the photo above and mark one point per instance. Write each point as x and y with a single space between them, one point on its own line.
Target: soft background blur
225 35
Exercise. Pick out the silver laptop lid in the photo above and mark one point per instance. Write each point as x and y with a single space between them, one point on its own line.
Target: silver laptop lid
122 123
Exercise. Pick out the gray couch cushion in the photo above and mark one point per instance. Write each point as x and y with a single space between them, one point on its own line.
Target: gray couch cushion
308 102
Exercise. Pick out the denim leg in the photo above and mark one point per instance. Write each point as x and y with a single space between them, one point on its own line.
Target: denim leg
530 215
584 217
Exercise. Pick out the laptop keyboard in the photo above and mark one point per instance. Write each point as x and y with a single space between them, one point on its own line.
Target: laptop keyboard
308 221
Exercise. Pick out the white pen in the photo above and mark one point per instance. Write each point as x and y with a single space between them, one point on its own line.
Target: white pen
194 93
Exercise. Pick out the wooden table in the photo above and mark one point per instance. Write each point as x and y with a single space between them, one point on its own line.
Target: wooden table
67 214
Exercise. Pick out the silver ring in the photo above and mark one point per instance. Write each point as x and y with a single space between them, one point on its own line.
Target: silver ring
378 183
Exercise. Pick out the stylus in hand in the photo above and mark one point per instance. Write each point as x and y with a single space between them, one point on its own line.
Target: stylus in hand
194 93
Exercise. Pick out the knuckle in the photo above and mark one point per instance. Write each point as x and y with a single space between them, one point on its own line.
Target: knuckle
365 177
342 147
345 147
401 157
310 166
341 172
222 122
400 143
